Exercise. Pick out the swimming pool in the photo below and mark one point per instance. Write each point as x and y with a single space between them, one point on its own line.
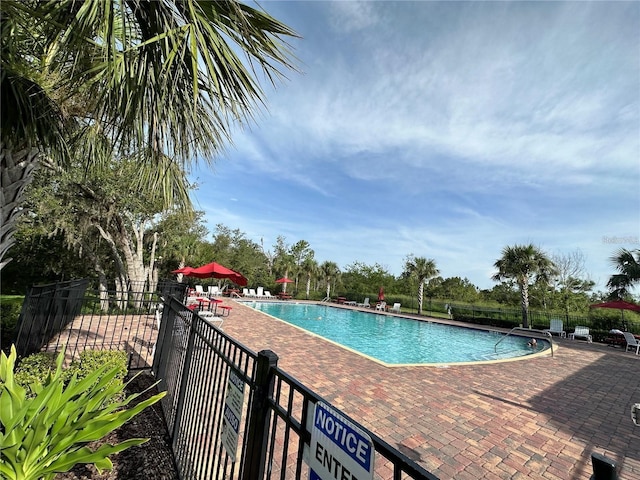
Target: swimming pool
396 340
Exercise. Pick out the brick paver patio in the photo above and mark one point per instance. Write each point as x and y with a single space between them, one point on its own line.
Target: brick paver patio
536 418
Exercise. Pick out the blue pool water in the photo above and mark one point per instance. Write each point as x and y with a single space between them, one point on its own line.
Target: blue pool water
396 340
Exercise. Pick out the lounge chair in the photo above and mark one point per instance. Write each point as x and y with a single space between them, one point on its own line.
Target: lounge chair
364 304
214 291
632 341
395 308
582 332
260 292
381 306
199 290
252 292
556 327
245 292
209 317
267 294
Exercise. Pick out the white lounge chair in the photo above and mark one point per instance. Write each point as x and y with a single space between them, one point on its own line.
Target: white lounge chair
267 294
245 292
260 292
199 290
395 308
381 306
213 291
209 317
364 304
632 341
581 332
252 292
556 327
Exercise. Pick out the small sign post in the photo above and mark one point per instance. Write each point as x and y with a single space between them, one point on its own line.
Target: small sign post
339 450
232 413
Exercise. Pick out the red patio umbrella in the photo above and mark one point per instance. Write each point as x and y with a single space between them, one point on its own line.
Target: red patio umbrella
183 270
618 305
381 294
215 270
284 281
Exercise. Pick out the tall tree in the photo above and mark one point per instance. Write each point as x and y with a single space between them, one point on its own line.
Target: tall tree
524 264
627 263
300 252
330 271
163 76
421 269
569 279
309 268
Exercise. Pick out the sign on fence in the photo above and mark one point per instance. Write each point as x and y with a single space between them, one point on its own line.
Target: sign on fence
339 449
232 413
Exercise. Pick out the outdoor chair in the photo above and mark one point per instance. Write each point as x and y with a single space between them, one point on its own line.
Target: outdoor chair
632 341
556 326
582 332
381 306
364 304
395 308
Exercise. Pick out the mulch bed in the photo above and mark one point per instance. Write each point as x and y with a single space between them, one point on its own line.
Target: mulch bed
152 460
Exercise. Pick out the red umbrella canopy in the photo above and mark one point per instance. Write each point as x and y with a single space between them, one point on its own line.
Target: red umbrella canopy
618 304
183 270
215 270
284 280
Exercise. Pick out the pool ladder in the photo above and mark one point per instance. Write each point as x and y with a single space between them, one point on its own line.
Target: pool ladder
537 334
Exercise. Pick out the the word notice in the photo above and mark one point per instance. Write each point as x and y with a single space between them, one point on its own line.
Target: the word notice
339 449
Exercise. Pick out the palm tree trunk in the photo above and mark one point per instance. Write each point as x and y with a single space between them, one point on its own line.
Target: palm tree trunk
524 297
420 296
17 166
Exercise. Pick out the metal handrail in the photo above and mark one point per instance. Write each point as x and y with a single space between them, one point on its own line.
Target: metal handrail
542 333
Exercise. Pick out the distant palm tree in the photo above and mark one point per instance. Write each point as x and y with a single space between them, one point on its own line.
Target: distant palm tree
310 268
422 269
627 263
330 271
524 264
160 76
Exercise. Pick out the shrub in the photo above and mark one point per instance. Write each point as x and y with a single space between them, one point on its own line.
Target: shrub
10 307
34 370
49 433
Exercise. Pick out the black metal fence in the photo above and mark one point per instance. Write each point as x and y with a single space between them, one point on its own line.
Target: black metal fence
199 367
46 311
69 316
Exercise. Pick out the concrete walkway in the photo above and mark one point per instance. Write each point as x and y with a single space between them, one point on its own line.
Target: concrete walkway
536 418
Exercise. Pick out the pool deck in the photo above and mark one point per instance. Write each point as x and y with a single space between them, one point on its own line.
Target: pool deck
535 418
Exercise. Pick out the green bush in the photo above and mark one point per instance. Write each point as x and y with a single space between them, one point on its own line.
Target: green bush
10 307
34 370
49 432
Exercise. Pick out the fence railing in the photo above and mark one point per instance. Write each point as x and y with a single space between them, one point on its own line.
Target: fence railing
69 316
197 364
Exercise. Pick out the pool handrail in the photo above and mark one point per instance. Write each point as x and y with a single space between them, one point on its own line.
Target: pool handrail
541 333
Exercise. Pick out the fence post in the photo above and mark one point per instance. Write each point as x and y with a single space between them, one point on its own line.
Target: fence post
258 429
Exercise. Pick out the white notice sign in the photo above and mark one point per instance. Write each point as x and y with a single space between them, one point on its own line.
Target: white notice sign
232 413
339 449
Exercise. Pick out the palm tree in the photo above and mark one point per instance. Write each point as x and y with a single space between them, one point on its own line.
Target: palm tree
627 263
163 77
422 269
310 268
524 264
330 271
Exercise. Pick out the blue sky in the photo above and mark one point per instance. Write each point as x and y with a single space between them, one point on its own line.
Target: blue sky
447 130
